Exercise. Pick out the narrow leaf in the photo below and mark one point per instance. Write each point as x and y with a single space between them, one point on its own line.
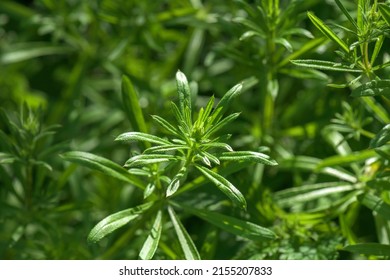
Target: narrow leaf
373 88
183 90
248 156
340 160
115 221
385 12
373 249
346 13
26 51
151 242
222 105
166 125
186 243
103 165
225 186
324 65
139 136
176 181
381 138
233 225
306 193
376 204
212 128
145 159
131 105
327 31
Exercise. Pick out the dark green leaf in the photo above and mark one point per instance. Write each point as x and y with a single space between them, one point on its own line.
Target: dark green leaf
115 221
385 12
233 225
186 243
131 105
381 138
376 204
373 88
373 249
327 31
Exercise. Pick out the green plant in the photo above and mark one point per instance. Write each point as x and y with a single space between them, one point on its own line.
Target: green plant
362 175
192 145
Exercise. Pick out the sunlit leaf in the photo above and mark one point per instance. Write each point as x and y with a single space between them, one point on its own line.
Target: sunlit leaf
103 165
139 136
225 186
327 31
151 242
115 221
248 156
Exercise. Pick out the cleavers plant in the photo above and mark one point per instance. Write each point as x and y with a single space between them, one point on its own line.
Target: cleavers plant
192 146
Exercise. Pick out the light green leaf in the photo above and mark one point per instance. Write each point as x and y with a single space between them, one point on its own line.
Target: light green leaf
285 43
384 9
223 104
218 145
346 13
131 105
6 158
186 243
248 156
139 136
183 90
176 181
165 148
115 221
307 47
327 31
325 65
151 242
233 225
225 186
381 138
149 190
341 160
376 204
25 51
373 88
306 193
145 159
373 249
103 165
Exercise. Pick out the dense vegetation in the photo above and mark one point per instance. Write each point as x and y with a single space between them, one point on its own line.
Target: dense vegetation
194 129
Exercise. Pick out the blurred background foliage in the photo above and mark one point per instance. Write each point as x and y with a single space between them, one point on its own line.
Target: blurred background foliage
61 63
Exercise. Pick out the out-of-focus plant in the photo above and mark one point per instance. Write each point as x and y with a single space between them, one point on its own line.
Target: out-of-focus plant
363 175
